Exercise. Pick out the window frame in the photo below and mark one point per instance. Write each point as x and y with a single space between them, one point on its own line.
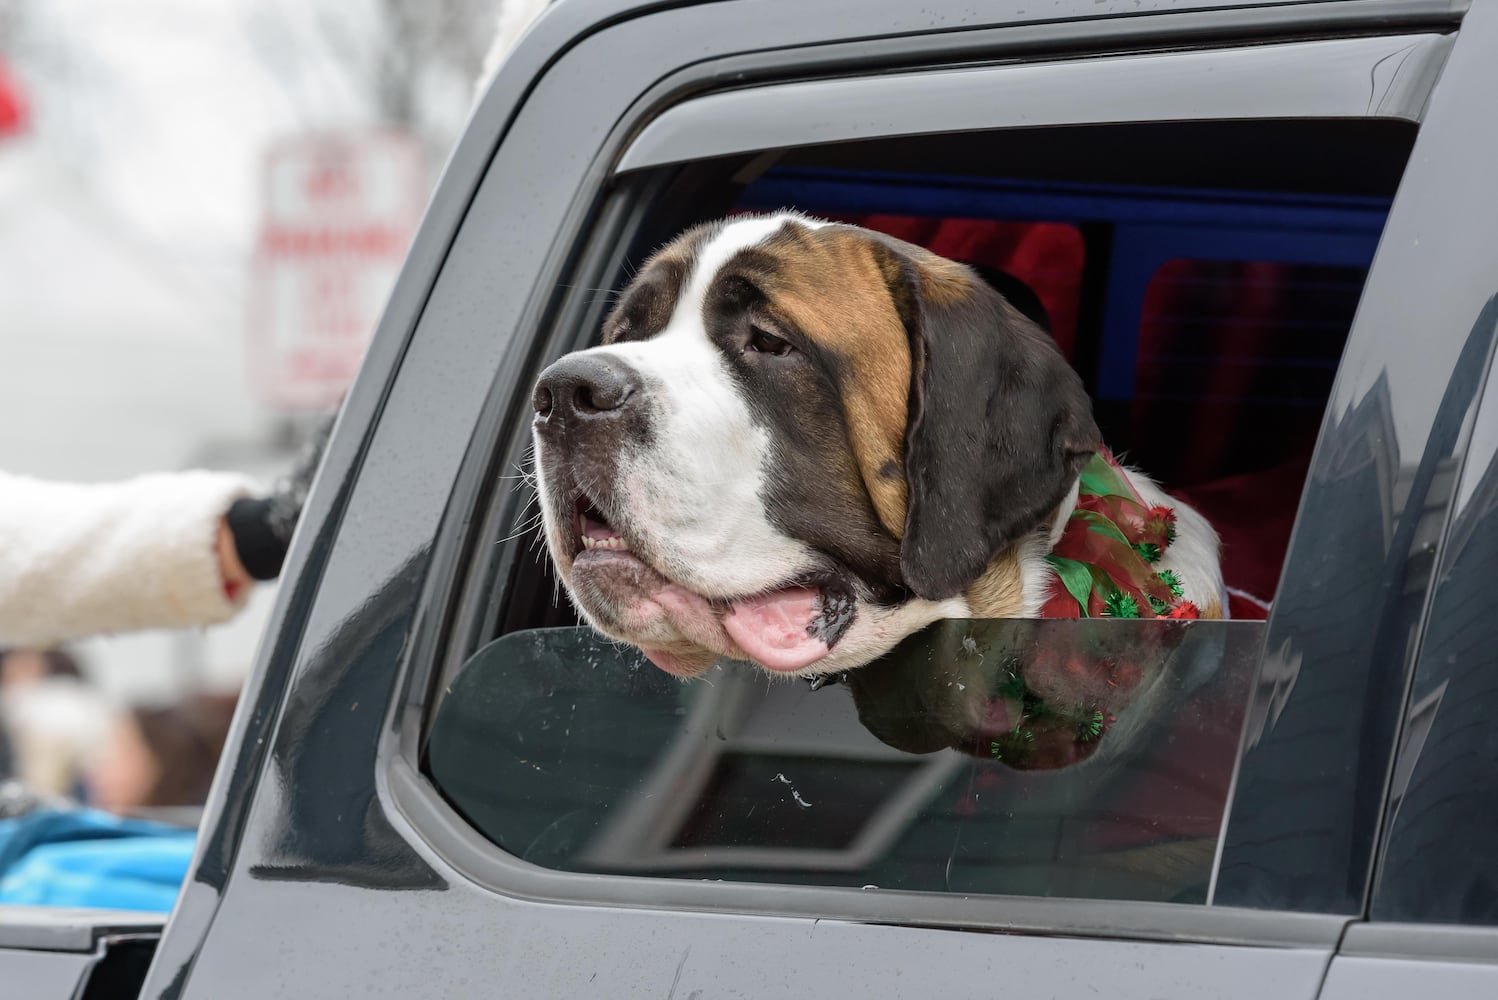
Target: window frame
1379 76
618 215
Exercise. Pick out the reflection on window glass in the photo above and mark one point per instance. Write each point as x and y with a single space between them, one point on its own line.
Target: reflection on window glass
1445 784
734 811
1075 758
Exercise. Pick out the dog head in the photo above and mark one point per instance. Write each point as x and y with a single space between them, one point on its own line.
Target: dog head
799 443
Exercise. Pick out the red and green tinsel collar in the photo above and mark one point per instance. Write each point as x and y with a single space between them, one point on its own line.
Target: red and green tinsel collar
1105 559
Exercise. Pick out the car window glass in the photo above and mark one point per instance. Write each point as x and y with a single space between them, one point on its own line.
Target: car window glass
1443 810
1079 758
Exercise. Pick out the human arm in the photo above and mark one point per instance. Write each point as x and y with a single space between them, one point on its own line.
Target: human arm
83 559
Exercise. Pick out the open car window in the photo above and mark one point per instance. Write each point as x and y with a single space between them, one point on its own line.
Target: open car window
1202 279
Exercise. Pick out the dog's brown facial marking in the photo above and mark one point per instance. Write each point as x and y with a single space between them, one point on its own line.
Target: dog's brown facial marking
836 400
855 296
834 285
917 350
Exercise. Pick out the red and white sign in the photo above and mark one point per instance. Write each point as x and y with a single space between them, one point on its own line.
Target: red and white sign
12 104
339 212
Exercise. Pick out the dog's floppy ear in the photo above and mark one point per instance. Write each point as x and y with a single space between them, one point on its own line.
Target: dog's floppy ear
999 425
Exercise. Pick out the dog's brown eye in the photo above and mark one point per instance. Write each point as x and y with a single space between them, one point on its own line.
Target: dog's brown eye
767 343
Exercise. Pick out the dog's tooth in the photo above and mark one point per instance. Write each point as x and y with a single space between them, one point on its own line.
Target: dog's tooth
612 542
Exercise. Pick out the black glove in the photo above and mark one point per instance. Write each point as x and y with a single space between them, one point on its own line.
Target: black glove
262 526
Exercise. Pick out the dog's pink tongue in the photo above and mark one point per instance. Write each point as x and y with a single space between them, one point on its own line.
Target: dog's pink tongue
775 628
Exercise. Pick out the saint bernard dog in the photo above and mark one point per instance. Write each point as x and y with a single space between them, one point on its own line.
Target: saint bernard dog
801 442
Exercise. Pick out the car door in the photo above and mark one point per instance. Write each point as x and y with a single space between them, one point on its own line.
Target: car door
446 790
53 953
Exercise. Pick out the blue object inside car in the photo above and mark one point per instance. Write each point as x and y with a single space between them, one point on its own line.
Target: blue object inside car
88 858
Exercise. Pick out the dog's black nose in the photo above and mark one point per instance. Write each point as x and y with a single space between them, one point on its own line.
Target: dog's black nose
583 386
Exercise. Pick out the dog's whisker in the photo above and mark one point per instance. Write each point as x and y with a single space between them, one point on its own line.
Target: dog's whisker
595 295
586 288
531 525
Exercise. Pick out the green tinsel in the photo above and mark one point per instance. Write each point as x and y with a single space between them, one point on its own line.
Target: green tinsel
1169 578
1121 605
1148 551
996 749
1092 726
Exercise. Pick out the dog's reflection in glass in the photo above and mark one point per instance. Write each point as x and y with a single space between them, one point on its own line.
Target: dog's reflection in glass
1034 695
1049 757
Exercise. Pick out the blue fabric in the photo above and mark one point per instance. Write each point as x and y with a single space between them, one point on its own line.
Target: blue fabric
89 858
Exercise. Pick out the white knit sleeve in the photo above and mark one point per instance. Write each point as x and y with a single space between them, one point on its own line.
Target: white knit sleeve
84 559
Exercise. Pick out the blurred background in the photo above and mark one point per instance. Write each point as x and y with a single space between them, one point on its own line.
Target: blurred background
203 204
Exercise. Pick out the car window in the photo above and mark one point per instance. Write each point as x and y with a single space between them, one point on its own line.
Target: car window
1443 810
1205 307
573 752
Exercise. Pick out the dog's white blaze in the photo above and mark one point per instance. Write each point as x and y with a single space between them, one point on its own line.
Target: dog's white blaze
698 490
